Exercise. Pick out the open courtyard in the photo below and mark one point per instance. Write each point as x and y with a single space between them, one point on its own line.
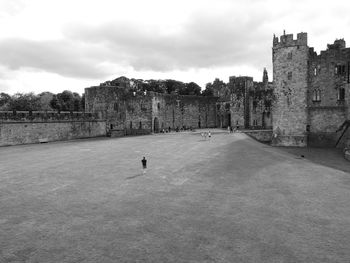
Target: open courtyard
227 199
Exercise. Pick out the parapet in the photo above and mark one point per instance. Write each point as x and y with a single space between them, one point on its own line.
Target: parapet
287 40
338 44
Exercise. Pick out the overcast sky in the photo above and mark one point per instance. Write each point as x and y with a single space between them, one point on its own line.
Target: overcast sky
53 45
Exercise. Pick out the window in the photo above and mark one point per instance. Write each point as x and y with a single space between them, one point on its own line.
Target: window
316 96
116 106
290 75
255 104
339 70
342 70
341 94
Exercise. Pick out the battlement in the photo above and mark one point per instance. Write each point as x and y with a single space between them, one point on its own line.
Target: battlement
338 44
287 40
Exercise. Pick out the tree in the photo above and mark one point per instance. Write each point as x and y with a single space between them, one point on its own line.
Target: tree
193 89
209 91
76 102
45 99
174 86
54 103
5 99
65 100
82 102
25 102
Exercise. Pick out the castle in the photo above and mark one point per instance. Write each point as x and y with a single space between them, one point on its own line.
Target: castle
305 104
128 110
312 92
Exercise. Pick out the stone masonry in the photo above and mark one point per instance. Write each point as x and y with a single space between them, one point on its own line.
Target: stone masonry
290 79
312 92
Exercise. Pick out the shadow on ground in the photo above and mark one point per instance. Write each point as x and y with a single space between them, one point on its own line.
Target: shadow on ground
330 157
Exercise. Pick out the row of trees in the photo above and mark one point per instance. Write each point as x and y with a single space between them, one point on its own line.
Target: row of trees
45 101
168 86
72 101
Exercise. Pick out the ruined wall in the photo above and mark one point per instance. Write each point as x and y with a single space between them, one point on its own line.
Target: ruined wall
177 111
290 77
145 112
122 108
24 127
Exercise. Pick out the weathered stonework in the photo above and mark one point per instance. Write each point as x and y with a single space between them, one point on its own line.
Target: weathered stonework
244 103
312 92
35 127
290 79
146 112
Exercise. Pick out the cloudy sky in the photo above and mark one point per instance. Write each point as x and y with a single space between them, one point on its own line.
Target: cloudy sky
53 45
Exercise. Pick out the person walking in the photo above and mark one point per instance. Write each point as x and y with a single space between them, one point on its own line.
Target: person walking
144 164
209 135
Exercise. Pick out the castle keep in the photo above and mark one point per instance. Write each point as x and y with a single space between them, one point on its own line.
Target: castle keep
312 91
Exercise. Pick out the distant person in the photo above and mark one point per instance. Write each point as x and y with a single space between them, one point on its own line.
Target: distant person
144 164
231 129
228 129
209 135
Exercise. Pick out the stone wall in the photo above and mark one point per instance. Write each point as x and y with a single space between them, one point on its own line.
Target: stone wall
23 132
324 122
145 112
237 111
260 135
178 112
122 109
290 75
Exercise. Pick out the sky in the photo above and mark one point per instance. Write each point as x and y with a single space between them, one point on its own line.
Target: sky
56 45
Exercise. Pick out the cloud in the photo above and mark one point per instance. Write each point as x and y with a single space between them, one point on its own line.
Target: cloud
11 7
62 57
204 41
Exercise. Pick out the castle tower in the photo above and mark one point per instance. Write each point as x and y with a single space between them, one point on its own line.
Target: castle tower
290 78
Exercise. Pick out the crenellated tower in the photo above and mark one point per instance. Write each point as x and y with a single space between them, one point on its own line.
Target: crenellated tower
290 78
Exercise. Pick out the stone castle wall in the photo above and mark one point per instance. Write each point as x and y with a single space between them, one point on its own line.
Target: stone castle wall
121 108
324 121
328 72
145 112
35 127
